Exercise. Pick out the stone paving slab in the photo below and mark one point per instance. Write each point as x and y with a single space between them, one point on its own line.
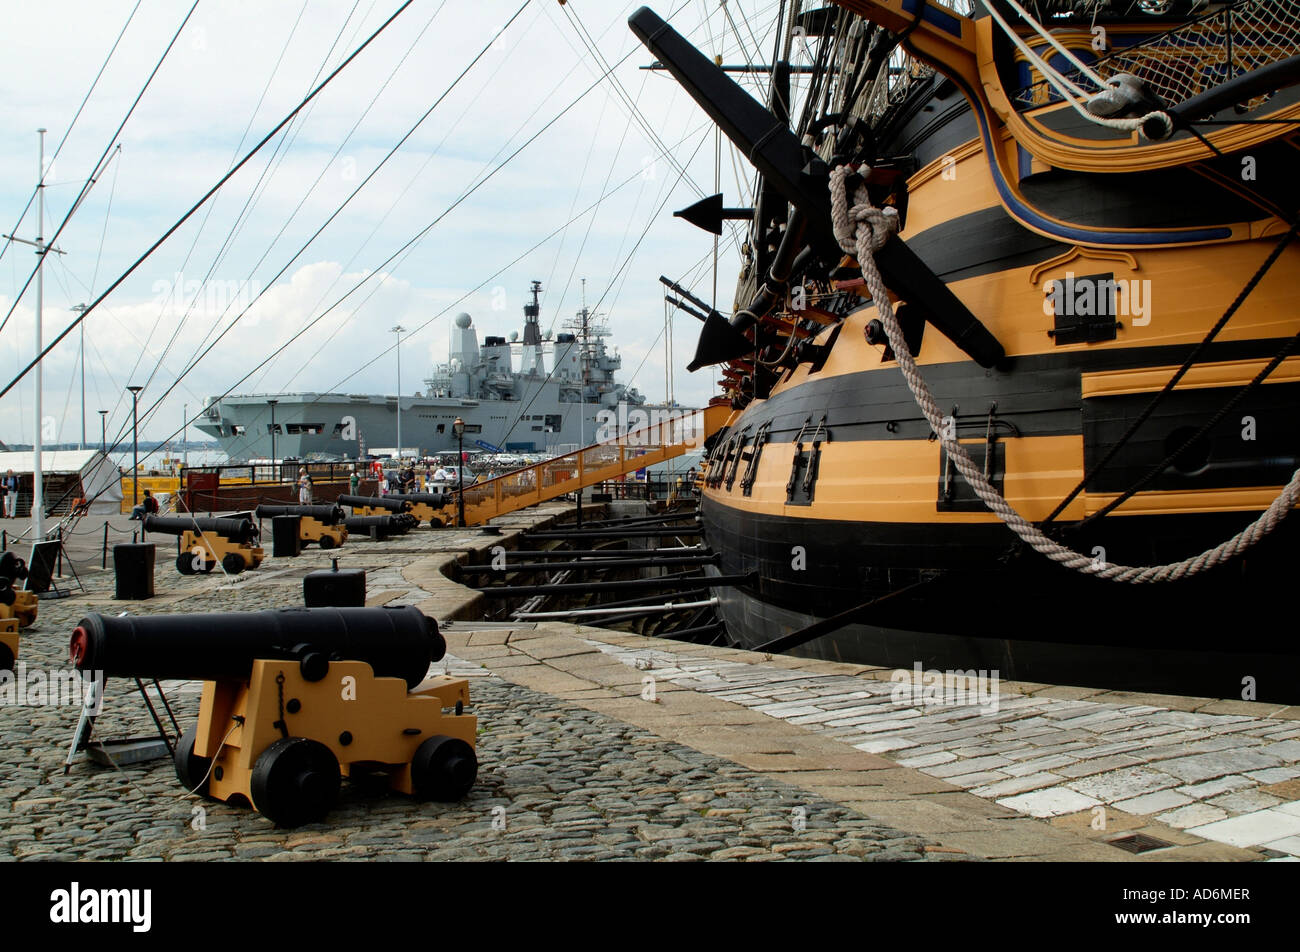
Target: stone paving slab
1046 755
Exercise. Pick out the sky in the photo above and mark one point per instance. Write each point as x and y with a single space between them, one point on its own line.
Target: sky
445 225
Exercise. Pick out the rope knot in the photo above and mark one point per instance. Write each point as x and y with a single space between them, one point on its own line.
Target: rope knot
880 222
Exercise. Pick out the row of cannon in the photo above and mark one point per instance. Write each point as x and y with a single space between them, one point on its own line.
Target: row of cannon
233 541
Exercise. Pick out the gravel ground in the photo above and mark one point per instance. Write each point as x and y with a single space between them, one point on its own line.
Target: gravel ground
555 781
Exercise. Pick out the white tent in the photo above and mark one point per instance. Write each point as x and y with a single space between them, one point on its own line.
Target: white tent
100 478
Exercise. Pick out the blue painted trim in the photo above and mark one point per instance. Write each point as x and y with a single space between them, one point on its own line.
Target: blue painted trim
933 15
1069 232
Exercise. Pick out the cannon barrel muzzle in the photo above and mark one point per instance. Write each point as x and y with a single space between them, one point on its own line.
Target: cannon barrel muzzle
239 530
214 646
376 502
330 515
437 500
12 567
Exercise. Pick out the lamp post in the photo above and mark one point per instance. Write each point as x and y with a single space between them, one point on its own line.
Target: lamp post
103 432
459 429
276 469
81 351
399 330
135 444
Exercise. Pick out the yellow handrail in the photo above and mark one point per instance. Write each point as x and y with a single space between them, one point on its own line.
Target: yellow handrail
659 440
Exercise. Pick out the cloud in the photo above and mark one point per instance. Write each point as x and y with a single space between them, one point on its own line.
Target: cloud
188 128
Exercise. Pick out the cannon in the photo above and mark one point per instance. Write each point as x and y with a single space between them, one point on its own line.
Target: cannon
427 507
296 699
381 527
205 542
17 608
323 525
375 505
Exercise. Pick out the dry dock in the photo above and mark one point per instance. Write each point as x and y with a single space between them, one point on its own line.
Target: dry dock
600 745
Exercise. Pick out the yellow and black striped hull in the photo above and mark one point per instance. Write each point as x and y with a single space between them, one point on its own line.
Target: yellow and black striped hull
884 511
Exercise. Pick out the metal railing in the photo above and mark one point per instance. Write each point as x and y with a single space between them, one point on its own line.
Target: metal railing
600 463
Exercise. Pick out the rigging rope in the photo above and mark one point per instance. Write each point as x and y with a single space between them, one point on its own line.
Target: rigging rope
863 229
59 148
197 205
98 167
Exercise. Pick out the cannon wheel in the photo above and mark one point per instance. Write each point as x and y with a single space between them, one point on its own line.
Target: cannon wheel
326 542
443 769
191 770
295 781
185 564
232 563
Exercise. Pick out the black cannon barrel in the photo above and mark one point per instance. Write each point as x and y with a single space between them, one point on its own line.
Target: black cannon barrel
376 502
437 500
396 642
330 515
398 523
236 530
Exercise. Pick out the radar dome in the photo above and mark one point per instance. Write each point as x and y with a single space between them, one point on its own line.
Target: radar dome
463 320
514 335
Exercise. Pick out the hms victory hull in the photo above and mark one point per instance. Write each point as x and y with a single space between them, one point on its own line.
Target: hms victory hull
833 491
991 608
1105 319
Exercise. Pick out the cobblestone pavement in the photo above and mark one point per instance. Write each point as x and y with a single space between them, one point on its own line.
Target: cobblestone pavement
556 780
1230 777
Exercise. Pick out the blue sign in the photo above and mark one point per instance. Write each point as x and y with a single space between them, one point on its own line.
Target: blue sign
488 446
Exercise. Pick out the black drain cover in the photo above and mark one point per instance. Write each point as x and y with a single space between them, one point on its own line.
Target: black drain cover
1139 843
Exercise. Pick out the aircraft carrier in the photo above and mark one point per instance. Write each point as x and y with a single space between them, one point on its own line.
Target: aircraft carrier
502 389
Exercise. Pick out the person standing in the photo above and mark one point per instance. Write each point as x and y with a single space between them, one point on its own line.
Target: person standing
354 481
11 494
304 487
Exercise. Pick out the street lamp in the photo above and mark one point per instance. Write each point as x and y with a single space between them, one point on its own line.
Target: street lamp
103 432
399 330
459 429
272 428
135 444
81 309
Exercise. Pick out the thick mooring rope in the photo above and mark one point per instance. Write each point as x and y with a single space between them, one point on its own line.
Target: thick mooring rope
861 231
